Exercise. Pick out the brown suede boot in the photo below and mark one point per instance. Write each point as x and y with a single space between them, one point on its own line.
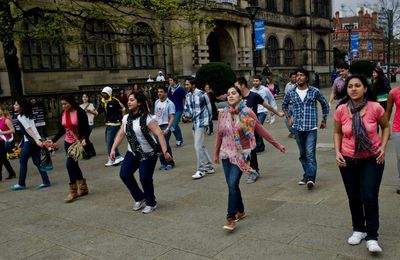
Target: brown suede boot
83 188
73 193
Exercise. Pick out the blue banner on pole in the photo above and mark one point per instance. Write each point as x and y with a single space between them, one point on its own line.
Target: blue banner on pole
369 46
354 44
259 35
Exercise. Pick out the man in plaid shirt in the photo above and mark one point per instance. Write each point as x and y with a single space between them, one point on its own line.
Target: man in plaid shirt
198 108
304 120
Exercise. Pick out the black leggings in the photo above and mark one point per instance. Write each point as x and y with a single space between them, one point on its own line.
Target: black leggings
74 171
3 159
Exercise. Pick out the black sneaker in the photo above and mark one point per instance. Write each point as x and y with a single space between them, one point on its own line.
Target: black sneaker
303 181
310 184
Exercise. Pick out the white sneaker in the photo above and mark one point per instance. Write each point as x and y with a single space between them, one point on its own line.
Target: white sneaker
356 238
139 205
149 209
109 163
272 120
118 160
373 246
251 179
198 175
209 171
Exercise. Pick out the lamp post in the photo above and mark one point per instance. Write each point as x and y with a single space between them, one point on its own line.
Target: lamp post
163 46
349 28
252 10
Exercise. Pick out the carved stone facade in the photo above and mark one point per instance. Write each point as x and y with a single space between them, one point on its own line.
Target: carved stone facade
297 34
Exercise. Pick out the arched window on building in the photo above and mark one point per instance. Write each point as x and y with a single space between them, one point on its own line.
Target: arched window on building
271 5
321 8
272 51
41 54
287 7
142 48
99 47
289 52
321 53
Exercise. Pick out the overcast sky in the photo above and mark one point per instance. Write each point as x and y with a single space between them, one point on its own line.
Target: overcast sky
353 4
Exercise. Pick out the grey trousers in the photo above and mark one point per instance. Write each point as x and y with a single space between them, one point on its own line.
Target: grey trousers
203 158
396 139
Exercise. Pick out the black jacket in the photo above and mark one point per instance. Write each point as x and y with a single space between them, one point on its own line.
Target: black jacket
83 127
113 110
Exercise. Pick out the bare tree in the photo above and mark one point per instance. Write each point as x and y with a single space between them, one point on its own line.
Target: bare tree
391 13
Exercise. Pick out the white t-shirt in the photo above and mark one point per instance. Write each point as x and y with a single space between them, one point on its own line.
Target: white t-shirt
160 78
262 91
139 135
162 111
302 93
90 116
28 123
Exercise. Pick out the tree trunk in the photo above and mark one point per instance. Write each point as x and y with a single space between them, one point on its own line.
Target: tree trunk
13 69
10 50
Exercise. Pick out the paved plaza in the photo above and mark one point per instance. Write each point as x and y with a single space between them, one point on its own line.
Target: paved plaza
285 221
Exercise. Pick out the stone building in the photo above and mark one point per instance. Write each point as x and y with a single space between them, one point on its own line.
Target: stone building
371 35
297 34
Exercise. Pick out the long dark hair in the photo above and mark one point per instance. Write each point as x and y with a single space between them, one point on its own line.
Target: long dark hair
71 100
369 95
26 108
380 84
142 100
88 98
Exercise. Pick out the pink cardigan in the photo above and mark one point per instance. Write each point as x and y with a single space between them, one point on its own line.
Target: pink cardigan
245 142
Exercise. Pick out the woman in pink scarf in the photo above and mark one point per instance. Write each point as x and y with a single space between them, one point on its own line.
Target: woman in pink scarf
235 140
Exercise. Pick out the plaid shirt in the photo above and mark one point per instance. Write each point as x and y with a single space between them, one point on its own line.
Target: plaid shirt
305 113
198 108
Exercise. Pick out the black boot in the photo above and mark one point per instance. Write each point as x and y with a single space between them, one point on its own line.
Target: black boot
11 175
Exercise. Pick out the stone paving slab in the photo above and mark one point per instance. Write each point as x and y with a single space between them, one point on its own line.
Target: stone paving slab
284 220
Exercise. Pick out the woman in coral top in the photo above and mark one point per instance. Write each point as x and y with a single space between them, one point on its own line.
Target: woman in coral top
360 155
75 127
6 136
394 99
235 140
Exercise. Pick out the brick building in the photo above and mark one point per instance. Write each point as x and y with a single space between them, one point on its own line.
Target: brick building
371 36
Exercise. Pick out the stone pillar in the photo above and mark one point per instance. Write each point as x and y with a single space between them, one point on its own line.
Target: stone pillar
264 57
200 49
242 40
248 36
244 51
203 40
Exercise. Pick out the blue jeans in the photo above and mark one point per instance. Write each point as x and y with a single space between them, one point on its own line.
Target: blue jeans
307 142
175 125
146 170
74 171
30 149
167 137
362 179
111 132
259 140
232 177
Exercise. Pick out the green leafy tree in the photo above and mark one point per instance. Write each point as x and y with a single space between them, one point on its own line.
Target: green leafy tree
64 21
218 75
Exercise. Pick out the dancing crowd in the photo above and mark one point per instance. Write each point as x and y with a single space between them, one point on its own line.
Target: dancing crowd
361 133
